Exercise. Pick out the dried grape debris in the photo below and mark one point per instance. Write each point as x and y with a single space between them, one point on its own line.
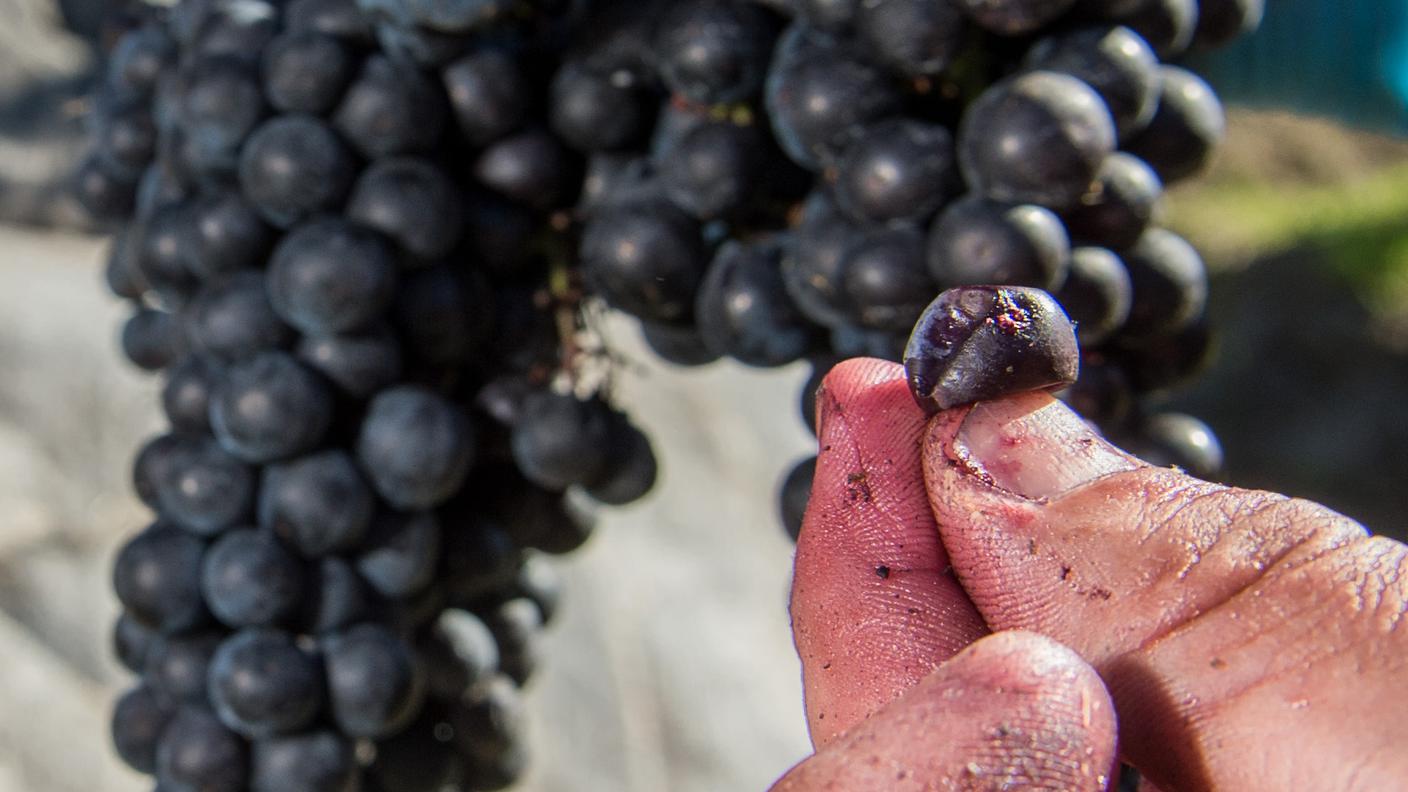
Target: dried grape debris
368 245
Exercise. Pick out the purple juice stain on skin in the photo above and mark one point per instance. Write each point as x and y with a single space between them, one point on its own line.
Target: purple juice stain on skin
982 342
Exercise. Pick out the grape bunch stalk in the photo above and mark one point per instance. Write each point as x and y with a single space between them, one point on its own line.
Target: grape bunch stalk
369 244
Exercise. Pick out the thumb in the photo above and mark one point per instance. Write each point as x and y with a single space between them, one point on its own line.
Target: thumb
1249 640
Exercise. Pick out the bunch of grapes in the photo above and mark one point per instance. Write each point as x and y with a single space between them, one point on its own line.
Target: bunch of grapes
367 244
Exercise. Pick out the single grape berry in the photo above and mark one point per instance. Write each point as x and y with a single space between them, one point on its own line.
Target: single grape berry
1177 439
1170 285
1186 128
358 364
897 171
743 309
331 276
1120 206
590 111
152 339
399 556
714 52
631 467
983 342
415 447
1114 61
375 681
488 94
562 440
317 504
413 202
294 166
205 489
885 281
978 241
813 264
316 761
390 108
1097 294
712 170
817 100
226 235
270 407
250 580
1221 21
306 72
1039 137
262 684
231 318
1167 25
917 38
646 259
197 752
137 723
157 578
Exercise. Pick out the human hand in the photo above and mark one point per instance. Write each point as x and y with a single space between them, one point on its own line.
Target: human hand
1246 640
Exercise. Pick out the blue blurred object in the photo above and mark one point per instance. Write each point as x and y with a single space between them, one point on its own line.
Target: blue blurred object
1345 59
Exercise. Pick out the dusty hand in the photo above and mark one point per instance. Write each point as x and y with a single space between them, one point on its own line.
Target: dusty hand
1246 640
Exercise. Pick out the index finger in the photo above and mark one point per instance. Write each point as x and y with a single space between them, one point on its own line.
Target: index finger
875 605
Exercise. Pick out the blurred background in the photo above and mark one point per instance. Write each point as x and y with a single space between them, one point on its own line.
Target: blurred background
671 664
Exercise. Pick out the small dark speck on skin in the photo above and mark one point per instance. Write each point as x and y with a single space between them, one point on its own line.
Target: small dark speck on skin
1031 546
825 666
1065 571
856 478
1218 662
882 572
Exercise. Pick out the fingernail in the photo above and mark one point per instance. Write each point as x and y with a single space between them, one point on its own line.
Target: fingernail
1036 447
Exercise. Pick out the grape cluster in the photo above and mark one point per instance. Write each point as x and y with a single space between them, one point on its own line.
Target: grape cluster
366 243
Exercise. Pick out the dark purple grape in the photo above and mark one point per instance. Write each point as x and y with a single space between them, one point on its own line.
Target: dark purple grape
713 169
415 447
185 397
917 38
316 761
238 31
132 642
331 276
817 100
137 723
232 319
1170 285
358 364
1037 138
398 558
306 72
743 309
681 345
532 168
225 235
1167 25
562 440
196 752
1114 61
1097 294
270 407
1014 17
488 94
1221 21
897 171
206 489
157 578
1175 439
886 281
152 339
250 580
714 52
295 166
1120 206
793 495
413 202
317 504
153 466
478 556
645 259
391 108
631 467
1186 129
459 652
978 241
984 342
591 111
177 666
374 679
262 684
813 264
